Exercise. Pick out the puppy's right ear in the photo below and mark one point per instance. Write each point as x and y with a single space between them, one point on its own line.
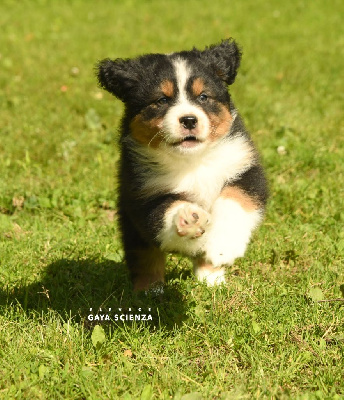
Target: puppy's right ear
117 77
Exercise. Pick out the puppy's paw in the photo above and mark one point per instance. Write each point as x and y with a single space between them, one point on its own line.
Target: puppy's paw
220 257
191 221
206 271
223 249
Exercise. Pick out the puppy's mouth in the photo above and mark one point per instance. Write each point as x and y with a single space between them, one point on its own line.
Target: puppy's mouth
188 141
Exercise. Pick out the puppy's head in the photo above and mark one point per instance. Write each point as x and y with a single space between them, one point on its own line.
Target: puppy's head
177 101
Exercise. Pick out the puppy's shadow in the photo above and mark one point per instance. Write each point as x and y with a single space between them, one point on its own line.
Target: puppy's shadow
73 287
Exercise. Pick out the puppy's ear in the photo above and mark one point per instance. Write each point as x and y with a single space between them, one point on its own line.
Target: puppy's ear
223 58
118 77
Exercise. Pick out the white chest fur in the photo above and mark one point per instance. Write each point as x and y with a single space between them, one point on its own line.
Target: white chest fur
202 175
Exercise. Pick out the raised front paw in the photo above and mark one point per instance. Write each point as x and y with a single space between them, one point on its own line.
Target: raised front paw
191 221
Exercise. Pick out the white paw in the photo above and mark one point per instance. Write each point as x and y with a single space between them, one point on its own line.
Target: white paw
191 221
221 256
212 275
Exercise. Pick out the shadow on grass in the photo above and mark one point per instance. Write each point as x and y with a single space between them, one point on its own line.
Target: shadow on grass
73 287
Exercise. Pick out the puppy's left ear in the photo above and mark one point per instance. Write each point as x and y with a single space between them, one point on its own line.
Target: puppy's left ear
223 58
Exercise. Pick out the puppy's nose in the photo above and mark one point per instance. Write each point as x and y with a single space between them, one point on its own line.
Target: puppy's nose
188 121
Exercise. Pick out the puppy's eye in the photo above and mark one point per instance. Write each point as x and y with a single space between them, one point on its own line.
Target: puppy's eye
162 101
203 98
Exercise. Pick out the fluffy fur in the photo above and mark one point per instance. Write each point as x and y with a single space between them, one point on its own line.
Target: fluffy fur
190 177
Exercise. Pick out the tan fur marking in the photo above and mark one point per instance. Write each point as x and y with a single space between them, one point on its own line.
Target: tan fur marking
167 88
220 123
238 195
197 86
146 132
150 268
201 264
205 269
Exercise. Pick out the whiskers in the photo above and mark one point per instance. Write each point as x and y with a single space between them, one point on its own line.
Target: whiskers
165 142
159 133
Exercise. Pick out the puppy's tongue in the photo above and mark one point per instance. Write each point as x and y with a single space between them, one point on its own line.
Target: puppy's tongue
189 143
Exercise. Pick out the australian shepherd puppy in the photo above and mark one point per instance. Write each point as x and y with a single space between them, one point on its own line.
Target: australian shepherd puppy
190 177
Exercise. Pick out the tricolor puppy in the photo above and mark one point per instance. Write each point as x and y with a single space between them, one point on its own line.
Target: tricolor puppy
190 177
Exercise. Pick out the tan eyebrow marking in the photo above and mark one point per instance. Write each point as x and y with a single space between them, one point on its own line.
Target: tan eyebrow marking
197 86
167 88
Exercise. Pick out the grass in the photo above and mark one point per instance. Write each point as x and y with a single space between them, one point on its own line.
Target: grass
265 334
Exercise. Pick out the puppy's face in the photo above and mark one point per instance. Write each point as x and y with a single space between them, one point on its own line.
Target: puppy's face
179 101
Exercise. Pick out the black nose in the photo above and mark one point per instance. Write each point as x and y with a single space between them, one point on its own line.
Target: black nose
188 121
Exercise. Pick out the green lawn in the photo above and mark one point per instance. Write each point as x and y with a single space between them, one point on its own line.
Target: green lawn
265 335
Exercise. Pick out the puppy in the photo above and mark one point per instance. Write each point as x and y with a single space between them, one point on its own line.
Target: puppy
190 177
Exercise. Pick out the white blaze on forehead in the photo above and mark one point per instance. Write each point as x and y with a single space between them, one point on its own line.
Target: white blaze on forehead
184 107
182 71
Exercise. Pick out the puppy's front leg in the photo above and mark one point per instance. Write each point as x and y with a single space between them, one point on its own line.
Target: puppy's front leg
183 228
235 215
